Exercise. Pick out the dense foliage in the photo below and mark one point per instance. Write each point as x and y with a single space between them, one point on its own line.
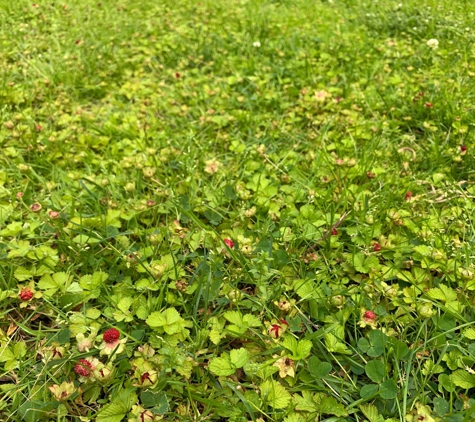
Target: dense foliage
237 210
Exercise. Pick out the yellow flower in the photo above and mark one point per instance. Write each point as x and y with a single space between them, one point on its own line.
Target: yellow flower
62 392
212 166
286 367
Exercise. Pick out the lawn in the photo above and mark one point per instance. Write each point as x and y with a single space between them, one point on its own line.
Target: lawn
249 210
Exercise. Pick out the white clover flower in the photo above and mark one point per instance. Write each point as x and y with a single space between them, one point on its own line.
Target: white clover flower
433 43
256 44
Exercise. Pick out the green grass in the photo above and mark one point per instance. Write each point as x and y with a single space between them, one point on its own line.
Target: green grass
326 141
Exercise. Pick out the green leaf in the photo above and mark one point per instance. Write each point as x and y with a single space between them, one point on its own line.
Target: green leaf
227 364
290 343
469 333
6 353
442 293
84 239
33 410
19 349
446 383
169 321
222 366
388 389
452 359
305 402
371 413
54 283
463 379
400 348
274 394
251 321
300 349
318 403
375 370
239 357
441 406
368 390
318 369
156 402
329 406
430 368
22 274
118 409
376 343
364 264
334 345
234 317
74 288
363 344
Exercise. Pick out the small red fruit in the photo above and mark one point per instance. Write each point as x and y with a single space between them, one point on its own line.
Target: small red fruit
111 335
177 75
463 148
429 105
334 232
408 196
83 367
26 294
376 247
370 315
229 243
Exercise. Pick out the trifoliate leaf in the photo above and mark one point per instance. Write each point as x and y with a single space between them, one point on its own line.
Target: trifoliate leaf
318 403
118 409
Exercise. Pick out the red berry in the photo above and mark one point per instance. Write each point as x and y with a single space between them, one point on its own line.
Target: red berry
334 232
229 243
463 148
376 247
429 105
111 335
370 315
408 195
26 294
83 367
177 75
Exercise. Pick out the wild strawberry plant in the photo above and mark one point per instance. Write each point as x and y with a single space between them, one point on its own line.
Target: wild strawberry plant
256 210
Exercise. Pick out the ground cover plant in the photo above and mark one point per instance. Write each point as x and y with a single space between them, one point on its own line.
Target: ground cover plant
237 210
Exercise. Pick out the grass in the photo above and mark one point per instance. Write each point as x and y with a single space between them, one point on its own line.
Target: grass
269 202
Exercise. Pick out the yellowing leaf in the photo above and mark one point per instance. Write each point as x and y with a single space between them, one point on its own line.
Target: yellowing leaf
274 394
318 403
239 357
463 379
371 413
469 333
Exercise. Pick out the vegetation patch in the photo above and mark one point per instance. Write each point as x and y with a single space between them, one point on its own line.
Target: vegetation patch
250 210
